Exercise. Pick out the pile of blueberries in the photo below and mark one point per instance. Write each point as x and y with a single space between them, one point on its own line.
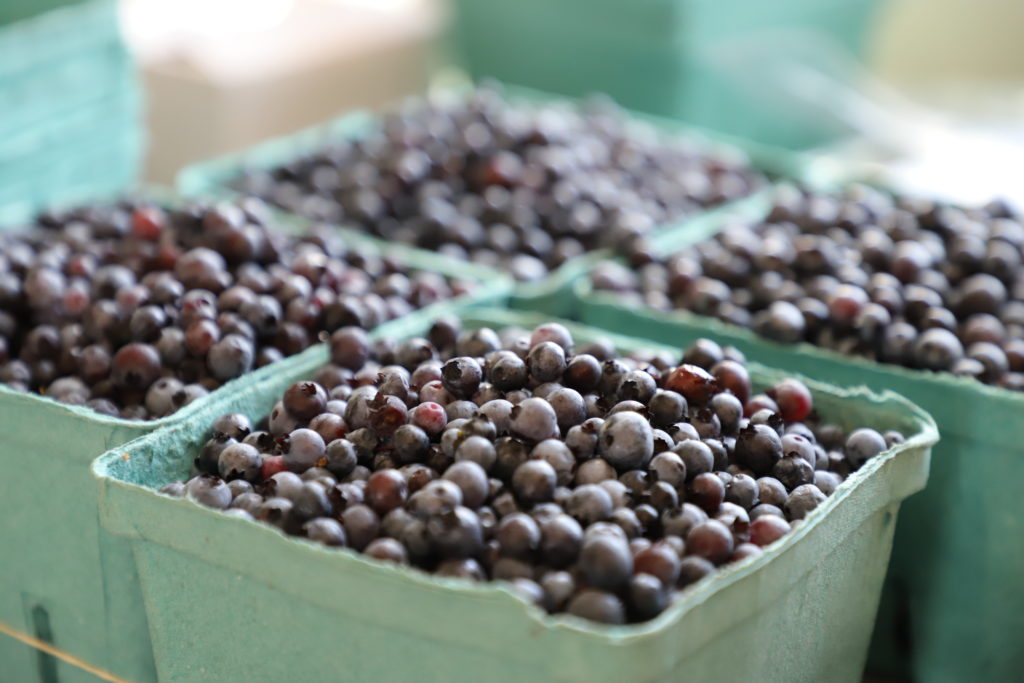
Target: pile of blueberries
509 185
593 484
136 311
898 280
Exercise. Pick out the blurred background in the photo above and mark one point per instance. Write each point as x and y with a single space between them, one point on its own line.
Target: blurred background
914 91
884 80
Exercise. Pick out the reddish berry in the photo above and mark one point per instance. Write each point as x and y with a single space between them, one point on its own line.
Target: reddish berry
272 465
767 529
793 398
148 223
695 383
760 402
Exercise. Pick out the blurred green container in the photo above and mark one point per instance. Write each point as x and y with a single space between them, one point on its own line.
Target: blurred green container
953 606
71 126
65 581
23 663
89 171
58 91
19 10
108 120
707 62
228 599
551 295
69 31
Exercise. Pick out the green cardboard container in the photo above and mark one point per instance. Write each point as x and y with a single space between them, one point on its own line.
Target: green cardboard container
551 295
57 91
24 663
953 606
67 582
49 37
88 171
228 599
110 119
676 58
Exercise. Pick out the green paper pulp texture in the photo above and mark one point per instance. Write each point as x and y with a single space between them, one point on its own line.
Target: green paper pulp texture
106 119
59 560
336 615
19 10
551 295
57 92
953 608
93 170
63 34
660 56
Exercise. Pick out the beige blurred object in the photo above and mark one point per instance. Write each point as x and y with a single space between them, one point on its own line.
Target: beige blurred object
921 42
938 109
223 74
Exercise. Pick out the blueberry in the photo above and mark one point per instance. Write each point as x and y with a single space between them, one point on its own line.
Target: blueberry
693 568
176 489
569 406
239 461
627 520
605 561
519 536
711 540
350 347
696 456
803 500
507 371
435 498
464 568
558 455
341 457
305 449
863 444
478 450
594 472
387 550
462 376
230 357
582 373
793 471
597 605
827 482
552 332
456 533
666 408
250 502
589 503
471 479
135 367
937 349
305 400
232 425
534 419
209 491
386 490
707 491
546 361
659 560
559 587
561 540
361 525
758 447
626 441
647 596
325 530
534 481
743 490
